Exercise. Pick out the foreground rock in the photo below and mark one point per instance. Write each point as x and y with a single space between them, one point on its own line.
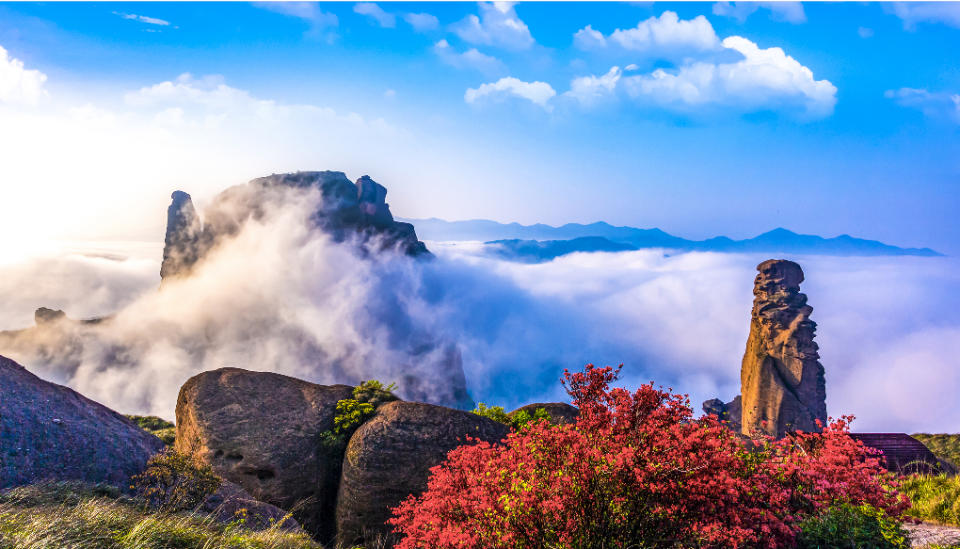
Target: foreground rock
782 381
390 457
232 503
560 412
262 431
51 432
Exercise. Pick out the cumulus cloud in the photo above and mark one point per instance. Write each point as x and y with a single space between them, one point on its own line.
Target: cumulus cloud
469 59
939 106
376 13
888 328
788 12
666 35
913 13
764 79
537 92
143 19
590 89
497 25
17 84
421 22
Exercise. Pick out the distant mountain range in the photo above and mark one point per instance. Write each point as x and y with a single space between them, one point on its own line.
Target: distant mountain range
543 242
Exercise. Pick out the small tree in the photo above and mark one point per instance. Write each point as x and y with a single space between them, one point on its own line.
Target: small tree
176 481
518 421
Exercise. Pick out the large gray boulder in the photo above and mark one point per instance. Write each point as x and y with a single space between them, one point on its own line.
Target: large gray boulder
389 458
262 431
51 432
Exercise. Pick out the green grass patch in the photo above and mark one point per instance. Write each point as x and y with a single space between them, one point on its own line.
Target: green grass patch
935 498
943 446
161 428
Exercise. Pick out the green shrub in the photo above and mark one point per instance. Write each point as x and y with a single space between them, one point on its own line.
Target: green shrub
176 481
943 446
852 527
935 498
373 392
518 421
161 428
353 412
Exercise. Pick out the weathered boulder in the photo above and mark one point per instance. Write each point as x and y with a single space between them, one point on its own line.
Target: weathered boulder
262 431
729 412
232 502
560 412
50 432
389 458
782 381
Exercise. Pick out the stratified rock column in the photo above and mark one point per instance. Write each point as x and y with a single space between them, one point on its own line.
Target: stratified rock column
781 378
182 241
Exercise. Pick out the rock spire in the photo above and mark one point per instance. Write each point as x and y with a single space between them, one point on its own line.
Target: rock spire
782 381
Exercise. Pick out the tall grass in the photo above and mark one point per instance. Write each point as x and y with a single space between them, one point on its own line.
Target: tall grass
935 498
76 516
942 445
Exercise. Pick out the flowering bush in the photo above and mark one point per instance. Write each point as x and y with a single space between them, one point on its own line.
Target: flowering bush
637 470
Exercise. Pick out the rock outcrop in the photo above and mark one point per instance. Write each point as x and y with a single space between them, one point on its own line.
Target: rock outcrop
782 381
389 458
730 412
262 431
345 210
231 502
50 432
560 412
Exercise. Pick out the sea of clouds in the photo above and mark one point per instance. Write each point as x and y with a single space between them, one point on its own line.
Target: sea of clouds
282 297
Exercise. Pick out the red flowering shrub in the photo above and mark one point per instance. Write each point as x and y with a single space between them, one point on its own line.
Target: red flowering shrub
637 470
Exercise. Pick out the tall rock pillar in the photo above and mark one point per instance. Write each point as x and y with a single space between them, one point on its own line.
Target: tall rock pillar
182 241
782 380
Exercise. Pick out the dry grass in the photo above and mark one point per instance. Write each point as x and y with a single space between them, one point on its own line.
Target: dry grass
76 516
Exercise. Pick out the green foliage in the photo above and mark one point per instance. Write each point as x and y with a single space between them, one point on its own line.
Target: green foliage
935 498
161 428
374 392
176 481
849 526
518 421
78 516
352 413
943 446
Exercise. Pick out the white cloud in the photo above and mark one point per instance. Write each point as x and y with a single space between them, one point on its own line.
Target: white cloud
19 85
668 33
864 32
912 13
376 13
310 12
172 117
210 92
469 59
764 79
421 22
537 92
590 89
788 12
498 25
143 19
631 67
940 106
587 39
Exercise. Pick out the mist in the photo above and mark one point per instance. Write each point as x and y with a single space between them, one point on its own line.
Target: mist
279 296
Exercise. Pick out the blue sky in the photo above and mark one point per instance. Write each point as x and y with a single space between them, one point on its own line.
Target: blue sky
682 116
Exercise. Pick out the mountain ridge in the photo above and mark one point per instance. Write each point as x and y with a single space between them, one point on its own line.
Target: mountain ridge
777 240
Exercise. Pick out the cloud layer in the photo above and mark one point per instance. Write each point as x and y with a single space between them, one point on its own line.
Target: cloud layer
539 93
20 85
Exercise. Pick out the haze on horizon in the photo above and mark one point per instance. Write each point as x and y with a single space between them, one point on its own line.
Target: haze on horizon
701 119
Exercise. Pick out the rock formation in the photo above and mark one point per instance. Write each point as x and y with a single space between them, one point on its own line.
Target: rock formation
346 209
48 431
781 379
560 412
389 458
782 383
262 431
231 500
